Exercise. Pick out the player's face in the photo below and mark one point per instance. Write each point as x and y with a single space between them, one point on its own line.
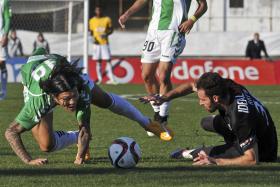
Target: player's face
14 34
98 11
205 101
256 36
68 100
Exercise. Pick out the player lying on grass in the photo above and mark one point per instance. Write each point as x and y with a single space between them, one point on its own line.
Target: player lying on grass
243 122
49 80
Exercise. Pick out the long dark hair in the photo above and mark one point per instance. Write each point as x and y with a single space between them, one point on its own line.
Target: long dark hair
64 77
214 84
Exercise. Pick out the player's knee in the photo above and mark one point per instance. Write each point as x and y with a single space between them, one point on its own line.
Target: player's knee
101 98
164 79
46 147
206 123
106 102
147 78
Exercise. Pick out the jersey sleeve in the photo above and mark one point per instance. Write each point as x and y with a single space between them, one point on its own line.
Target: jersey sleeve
83 113
27 117
91 24
7 16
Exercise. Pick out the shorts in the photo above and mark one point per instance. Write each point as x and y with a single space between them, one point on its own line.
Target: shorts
162 45
101 52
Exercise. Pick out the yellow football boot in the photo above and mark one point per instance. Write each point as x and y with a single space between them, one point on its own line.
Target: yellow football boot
160 130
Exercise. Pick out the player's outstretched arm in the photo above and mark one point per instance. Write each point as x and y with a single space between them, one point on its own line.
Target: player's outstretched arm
12 135
83 144
138 4
187 25
248 159
181 90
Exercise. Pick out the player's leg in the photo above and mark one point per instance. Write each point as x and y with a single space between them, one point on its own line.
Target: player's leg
4 75
96 56
50 140
120 106
151 83
216 123
3 72
106 55
268 143
150 59
164 70
172 45
213 123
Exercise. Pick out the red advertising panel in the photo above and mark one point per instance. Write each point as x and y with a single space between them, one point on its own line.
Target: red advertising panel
247 72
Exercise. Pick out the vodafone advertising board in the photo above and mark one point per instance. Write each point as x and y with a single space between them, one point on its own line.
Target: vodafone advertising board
247 72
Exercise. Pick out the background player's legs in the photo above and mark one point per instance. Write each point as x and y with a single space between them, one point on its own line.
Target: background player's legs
49 140
99 71
164 69
4 76
106 55
96 56
151 83
110 73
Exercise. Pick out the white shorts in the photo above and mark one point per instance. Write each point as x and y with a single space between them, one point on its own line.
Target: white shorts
3 53
101 52
162 45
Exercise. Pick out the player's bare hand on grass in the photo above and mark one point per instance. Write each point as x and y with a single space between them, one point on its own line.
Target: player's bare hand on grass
156 99
38 161
186 26
203 159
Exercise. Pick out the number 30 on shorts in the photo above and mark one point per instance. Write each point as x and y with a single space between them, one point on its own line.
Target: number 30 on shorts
149 46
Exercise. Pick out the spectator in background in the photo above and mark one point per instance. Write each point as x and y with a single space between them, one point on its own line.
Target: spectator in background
254 48
14 45
41 42
101 28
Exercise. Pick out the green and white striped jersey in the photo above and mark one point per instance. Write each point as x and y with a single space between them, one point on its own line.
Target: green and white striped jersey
36 102
169 14
5 17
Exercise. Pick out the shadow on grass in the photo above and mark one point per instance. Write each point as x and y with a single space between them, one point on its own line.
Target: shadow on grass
100 171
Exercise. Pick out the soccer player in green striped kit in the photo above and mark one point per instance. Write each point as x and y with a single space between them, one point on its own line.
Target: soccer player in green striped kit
164 42
49 80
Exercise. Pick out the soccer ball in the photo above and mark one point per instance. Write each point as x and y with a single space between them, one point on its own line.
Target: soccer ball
124 152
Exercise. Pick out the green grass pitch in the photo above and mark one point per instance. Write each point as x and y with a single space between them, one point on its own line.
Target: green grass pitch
155 168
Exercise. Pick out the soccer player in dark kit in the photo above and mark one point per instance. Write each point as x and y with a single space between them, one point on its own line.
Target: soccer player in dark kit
244 123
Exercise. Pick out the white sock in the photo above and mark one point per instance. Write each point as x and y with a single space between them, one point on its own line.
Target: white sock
99 71
164 109
109 69
64 139
122 107
155 107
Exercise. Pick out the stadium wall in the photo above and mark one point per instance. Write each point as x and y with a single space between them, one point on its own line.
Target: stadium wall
130 43
128 70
